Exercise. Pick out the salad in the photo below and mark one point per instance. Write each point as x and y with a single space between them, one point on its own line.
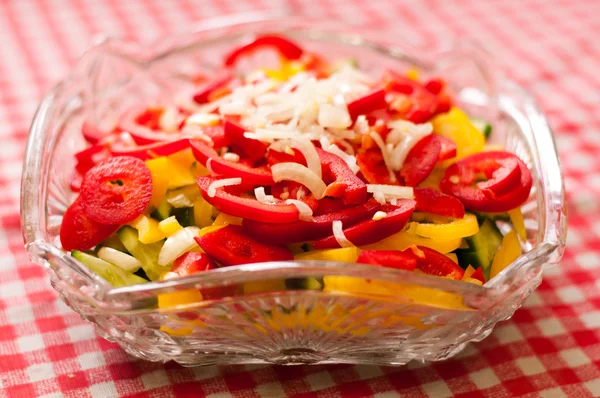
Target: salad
313 160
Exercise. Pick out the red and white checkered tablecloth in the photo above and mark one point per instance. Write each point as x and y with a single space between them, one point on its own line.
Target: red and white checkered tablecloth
550 348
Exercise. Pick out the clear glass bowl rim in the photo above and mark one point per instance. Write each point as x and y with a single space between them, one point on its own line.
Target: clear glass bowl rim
550 192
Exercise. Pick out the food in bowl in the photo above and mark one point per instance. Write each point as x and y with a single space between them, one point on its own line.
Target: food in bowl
313 160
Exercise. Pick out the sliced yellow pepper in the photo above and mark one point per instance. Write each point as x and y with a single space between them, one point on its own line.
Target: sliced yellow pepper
473 281
434 179
457 126
413 74
147 227
159 169
403 240
182 297
287 70
275 285
468 272
452 257
202 213
169 226
225 219
438 229
509 251
346 254
517 220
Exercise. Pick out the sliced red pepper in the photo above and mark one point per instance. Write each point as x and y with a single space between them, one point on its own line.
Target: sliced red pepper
144 125
435 86
367 104
421 160
194 262
447 148
89 157
437 264
503 179
304 231
345 183
397 259
431 201
251 149
285 47
75 182
79 232
230 246
330 205
217 135
249 207
424 104
478 274
460 176
91 133
221 80
293 188
151 151
117 190
373 168
218 165
371 231
274 157
191 263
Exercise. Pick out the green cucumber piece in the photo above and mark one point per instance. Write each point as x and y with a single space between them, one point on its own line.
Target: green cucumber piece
483 126
482 248
147 254
113 274
185 216
184 196
481 217
163 211
114 242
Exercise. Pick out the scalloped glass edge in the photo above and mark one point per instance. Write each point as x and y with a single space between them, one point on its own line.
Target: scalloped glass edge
498 92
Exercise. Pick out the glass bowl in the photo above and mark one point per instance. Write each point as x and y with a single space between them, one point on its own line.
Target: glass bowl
378 316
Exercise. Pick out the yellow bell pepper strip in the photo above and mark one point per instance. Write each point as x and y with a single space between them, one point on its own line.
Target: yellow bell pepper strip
159 169
457 126
148 230
509 251
225 219
179 171
274 285
452 257
413 74
287 70
404 239
517 220
184 158
182 297
169 226
202 213
438 229
468 272
346 255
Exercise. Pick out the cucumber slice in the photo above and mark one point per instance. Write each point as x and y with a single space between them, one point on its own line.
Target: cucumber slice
113 274
163 211
147 254
114 242
482 248
185 216
483 126
481 217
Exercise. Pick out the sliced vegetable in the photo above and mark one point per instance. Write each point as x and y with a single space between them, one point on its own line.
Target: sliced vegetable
230 246
431 201
509 251
367 104
435 263
421 160
344 183
113 274
459 177
169 226
447 147
444 229
250 148
79 232
146 254
397 259
304 231
456 126
518 222
204 92
373 168
247 207
482 247
117 190
159 171
148 230
122 260
177 244
403 240
285 47
345 255
371 231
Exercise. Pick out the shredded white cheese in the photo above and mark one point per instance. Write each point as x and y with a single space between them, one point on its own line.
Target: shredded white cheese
227 182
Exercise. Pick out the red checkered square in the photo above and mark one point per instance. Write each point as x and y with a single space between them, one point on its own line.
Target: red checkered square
550 348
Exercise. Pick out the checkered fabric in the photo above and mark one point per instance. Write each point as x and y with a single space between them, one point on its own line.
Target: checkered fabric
550 348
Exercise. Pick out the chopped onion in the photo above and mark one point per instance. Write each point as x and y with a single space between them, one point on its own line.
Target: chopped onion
170 120
122 260
208 165
202 119
400 152
392 190
306 148
334 117
332 148
386 159
338 234
361 125
212 188
304 210
231 156
194 131
170 275
180 242
290 171
380 215
394 202
379 197
406 127
262 197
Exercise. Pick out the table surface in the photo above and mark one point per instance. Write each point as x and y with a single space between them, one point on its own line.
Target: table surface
550 348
